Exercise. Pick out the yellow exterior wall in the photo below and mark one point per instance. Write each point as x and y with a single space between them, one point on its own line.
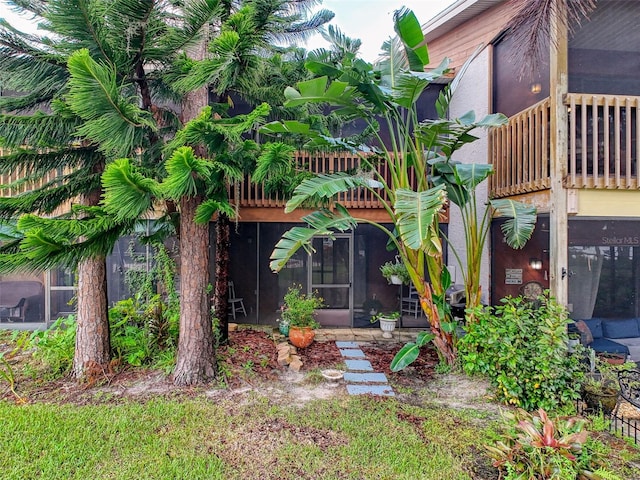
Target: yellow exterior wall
607 203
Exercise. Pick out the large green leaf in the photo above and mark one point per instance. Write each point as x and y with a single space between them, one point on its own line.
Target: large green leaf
324 186
405 357
462 180
322 222
286 126
316 91
409 30
423 338
470 175
127 193
416 212
408 89
521 223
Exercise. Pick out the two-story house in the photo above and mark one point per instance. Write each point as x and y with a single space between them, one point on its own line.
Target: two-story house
571 147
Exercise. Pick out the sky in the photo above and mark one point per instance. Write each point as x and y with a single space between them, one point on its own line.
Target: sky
372 20
369 20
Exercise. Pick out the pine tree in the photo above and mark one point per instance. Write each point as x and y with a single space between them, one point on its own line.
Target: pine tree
90 88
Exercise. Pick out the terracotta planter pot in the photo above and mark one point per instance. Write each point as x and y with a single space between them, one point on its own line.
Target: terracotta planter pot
613 359
301 337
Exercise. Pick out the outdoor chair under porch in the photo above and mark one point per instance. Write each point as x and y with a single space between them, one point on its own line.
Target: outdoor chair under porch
236 304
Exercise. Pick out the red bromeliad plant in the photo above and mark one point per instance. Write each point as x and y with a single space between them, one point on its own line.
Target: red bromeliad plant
537 448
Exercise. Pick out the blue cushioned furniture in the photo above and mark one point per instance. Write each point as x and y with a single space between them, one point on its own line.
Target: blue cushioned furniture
615 336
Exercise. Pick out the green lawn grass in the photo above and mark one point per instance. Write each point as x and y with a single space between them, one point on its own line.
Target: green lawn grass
348 438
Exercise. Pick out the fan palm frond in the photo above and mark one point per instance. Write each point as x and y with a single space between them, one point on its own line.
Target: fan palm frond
531 27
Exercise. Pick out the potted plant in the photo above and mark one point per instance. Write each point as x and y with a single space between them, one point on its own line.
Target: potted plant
601 388
395 272
387 322
299 311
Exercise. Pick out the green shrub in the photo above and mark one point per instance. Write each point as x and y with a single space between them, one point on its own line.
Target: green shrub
141 333
55 346
299 308
536 447
521 346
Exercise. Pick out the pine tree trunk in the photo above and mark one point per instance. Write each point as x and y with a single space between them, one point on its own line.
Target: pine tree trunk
220 303
196 356
93 349
196 360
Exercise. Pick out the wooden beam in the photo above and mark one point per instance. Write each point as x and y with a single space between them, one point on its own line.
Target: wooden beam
558 231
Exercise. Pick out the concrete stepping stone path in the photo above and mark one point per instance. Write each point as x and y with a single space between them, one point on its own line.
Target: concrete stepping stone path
360 377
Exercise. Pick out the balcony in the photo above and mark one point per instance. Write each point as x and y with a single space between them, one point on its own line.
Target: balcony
253 195
256 204
602 146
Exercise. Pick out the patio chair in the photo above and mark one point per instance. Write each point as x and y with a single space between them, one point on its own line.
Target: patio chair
629 381
236 304
411 303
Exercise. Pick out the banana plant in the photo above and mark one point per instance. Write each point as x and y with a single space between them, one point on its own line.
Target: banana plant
384 100
461 181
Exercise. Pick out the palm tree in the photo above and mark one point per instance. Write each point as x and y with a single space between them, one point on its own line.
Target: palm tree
95 81
389 98
531 26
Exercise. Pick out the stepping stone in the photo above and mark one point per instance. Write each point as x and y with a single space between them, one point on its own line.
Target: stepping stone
361 365
351 377
347 345
352 353
382 390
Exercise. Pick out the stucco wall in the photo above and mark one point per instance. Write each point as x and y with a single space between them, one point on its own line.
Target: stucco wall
473 93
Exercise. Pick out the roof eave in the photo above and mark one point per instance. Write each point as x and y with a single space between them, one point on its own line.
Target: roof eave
455 15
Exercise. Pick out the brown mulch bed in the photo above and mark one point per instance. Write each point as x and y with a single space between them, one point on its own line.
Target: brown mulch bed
255 348
249 358
381 355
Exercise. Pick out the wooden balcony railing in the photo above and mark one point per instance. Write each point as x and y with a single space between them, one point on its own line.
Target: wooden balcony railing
250 194
520 153
254 195
603 146
603 141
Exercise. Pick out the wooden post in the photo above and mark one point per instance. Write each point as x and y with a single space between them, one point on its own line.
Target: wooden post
558 232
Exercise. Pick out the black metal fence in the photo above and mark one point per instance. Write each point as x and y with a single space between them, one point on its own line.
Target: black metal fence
617 423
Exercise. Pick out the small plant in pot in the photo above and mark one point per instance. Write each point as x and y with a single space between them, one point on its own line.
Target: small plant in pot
387 321
395 272
601 388
299 311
